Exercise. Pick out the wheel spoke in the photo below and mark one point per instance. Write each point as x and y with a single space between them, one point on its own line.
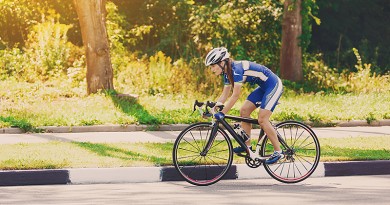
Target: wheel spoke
196 165
188 150
214 152
301 154
216 157
194 141
216 164
296 140
196 156
297 168
214 145
187 157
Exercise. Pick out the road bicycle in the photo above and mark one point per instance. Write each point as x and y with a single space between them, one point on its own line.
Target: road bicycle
203 152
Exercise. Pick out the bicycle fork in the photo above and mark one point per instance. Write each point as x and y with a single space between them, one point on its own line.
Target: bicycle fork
213 134
211 139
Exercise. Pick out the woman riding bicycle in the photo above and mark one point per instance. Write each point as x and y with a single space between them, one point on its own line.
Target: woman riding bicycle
265 96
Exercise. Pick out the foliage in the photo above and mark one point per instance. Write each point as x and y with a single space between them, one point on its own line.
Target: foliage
158 56
12 122
347 24
47 50
308 12
361 81
187 29
152 26
364 81
47 54
12 63
251 30
17 17
159 72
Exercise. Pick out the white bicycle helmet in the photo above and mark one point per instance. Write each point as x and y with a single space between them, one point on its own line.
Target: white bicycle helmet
216 55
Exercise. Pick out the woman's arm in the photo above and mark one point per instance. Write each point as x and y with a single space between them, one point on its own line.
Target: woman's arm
233 99
225 94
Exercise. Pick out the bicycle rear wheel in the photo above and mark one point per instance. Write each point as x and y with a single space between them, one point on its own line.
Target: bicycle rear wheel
302 156
192 166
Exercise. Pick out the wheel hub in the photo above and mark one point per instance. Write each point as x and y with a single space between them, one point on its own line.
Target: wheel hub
290 154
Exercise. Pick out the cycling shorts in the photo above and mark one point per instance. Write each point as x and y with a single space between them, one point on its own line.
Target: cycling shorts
268 94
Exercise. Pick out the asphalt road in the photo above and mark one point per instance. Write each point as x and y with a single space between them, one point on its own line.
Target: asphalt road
330 190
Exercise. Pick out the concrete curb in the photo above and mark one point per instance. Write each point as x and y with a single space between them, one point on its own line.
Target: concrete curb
173 127
159 174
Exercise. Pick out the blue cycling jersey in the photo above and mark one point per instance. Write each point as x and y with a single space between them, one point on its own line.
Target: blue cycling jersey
246 71
270 87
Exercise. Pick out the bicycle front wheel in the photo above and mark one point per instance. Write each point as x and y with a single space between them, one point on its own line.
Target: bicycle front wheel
301 152
202 169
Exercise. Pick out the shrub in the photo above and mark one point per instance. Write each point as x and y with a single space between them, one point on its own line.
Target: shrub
361 81
323 77
47 55
155 75
48 50
12 63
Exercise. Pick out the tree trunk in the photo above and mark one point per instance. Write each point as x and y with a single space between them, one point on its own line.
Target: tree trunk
291 52
92 18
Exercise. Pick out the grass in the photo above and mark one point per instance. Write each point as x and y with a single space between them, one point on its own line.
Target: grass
30 105
355 148
55 155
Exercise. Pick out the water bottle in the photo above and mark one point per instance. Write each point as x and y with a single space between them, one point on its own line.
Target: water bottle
241 132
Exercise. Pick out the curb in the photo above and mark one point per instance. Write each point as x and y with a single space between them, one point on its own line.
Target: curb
173 127
164 174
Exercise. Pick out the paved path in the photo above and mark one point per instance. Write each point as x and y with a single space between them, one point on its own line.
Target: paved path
170 136
356 190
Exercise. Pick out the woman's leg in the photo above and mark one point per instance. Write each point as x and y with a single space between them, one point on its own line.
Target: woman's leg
266 125
247 108
268 103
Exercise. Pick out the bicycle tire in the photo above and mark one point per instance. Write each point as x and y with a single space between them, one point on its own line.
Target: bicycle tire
202 170
303 157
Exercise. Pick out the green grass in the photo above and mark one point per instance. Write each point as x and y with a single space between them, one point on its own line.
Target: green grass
30 105
320 107
355 148
55 155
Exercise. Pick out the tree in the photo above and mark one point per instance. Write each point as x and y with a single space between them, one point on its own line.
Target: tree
92 18
291 51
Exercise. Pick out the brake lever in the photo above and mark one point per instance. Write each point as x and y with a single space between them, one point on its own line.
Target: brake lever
197 104
214 104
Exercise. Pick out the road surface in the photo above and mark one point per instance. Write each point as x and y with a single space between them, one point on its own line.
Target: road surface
329 190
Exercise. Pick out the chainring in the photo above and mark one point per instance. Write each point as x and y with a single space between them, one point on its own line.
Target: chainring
252 163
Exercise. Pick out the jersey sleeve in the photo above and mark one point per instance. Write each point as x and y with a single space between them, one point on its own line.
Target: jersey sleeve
225 80
238 75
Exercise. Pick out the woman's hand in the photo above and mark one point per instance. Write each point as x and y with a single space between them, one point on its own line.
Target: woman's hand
218 107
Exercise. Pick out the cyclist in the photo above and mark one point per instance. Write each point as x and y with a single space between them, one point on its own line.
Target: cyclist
265 96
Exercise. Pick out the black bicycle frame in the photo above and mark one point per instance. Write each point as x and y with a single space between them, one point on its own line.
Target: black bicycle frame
225 124
238 138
